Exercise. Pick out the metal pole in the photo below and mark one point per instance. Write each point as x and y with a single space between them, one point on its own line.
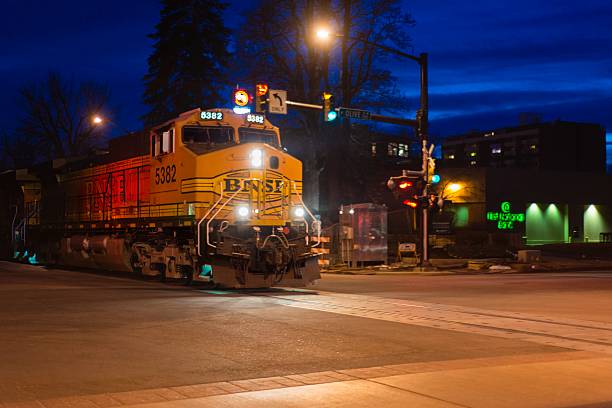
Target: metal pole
422 122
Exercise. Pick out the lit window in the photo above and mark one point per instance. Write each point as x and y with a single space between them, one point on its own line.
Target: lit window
451 156
496 149
472 154
392 149
373 147
473 163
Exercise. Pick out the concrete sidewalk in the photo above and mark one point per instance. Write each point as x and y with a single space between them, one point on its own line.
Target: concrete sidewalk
538 380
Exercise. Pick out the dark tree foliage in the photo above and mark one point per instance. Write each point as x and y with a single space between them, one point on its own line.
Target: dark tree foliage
57 120
187 68
278 44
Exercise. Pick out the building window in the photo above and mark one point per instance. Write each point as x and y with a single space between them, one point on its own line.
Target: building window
496 149
473 163
449 155
373 149
471 151
397 150
529 146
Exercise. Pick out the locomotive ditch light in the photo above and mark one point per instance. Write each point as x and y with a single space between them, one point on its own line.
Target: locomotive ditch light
298 212
256 157
243 211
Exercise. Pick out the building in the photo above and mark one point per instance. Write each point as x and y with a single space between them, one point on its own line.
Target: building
558 145
353 171
543 183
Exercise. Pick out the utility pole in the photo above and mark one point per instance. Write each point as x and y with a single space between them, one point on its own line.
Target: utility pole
422 120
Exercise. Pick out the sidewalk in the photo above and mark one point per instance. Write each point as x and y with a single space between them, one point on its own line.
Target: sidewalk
480 266
535 380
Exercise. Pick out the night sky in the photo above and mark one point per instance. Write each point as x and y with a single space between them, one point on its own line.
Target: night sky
489 60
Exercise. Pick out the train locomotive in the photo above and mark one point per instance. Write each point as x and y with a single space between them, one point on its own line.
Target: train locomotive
209 196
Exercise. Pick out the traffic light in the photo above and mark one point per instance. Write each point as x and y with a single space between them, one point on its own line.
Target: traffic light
261 92
329 111
432 177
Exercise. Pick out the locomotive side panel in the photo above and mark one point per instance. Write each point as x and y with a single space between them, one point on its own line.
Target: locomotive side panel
108 192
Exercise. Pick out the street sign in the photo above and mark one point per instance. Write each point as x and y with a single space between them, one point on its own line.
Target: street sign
355 114
277 101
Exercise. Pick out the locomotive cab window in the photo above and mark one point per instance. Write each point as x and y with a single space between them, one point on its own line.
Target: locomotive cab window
250 135
162 143
202 138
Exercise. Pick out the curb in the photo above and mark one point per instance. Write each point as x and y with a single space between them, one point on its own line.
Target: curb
446 272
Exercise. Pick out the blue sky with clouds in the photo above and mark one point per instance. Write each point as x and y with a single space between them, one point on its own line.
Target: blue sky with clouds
489 60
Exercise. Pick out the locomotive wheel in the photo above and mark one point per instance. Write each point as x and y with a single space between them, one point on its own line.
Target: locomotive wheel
162 273
136 270
186 273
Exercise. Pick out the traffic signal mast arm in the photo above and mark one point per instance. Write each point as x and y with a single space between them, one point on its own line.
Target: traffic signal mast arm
375 117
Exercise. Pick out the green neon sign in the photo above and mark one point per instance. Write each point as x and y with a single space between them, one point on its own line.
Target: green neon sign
506 220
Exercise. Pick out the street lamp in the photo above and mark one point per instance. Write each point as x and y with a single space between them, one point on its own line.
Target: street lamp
421 119
96 120
454 187
323 33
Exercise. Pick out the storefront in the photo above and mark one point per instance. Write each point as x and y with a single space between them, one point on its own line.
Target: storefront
541 207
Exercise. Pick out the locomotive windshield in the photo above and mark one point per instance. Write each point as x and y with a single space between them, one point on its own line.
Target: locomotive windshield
257 135
202 138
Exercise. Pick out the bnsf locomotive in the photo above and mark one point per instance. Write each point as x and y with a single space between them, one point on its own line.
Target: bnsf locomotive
208 196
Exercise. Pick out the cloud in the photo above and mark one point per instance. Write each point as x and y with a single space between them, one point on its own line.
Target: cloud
593 110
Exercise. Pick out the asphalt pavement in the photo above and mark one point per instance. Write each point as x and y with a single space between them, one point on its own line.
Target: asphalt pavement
72 338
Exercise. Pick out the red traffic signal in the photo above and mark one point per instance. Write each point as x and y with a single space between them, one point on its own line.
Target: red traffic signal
261 91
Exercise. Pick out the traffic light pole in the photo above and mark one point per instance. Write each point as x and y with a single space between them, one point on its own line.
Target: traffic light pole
422 120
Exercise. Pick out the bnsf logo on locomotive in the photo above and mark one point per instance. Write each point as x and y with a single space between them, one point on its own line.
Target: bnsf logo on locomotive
231 185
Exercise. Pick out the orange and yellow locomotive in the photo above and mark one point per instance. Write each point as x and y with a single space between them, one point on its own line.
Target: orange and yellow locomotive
208 196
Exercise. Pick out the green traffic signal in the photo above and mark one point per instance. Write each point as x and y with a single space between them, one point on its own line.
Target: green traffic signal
329 111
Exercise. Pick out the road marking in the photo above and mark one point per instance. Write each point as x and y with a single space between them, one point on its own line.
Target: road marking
560 332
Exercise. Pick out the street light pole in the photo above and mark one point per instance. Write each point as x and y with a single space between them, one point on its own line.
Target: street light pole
421 125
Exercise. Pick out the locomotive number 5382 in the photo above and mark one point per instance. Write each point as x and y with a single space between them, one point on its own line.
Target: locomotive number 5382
164 175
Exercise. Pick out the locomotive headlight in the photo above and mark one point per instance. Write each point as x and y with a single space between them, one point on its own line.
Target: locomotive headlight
256 157
298 212
243 211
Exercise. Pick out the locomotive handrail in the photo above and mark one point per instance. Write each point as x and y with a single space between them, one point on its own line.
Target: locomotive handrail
213 217
215 214
315 221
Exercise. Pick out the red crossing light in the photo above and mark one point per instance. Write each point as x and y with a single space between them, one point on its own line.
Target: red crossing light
405 184
410 203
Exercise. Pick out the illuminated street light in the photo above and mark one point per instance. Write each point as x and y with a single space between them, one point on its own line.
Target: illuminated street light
323 34
97 120
454 187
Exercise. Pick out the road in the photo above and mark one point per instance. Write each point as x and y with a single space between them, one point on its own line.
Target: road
83 339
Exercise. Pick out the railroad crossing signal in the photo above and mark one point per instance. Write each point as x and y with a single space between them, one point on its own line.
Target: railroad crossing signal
408 189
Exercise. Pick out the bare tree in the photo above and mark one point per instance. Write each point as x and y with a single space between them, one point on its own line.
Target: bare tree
58 117
277 44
